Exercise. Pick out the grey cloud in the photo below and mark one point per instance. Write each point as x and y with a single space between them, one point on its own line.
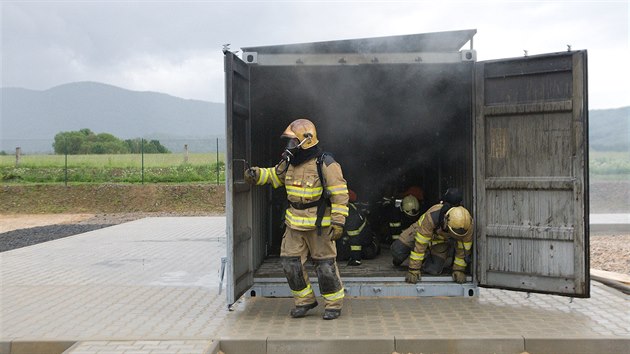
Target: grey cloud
50 43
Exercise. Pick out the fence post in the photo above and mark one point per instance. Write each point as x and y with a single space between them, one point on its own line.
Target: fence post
185 153
18 155
142 153
65 169
218 169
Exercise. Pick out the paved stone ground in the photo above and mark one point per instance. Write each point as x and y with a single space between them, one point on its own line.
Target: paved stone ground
154 285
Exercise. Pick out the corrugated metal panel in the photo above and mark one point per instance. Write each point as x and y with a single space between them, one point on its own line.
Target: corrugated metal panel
448 41
531 174
238 197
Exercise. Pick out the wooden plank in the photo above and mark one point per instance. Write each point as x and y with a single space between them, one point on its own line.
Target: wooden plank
528 66
547 87
531 145
535 257
524 282
538 208
563 183
537 107
531 232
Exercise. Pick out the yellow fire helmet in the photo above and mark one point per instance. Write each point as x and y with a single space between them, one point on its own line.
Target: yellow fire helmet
304 131
458 220
410 205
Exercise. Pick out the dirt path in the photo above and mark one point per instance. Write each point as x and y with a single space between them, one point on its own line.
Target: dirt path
24 221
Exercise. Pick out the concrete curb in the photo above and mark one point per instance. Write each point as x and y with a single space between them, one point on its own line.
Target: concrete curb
601 345
370 345
345 345
414 344
35 347
460 345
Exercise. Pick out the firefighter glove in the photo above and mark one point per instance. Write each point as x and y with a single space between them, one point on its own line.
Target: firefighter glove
413 276
459 276
337 232
250 175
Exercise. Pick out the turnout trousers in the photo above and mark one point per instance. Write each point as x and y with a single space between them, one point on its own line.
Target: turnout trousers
295 249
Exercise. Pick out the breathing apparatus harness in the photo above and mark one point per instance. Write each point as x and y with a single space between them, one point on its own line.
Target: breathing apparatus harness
324 201
290 152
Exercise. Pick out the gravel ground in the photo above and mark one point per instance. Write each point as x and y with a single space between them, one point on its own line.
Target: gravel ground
609 251
23 237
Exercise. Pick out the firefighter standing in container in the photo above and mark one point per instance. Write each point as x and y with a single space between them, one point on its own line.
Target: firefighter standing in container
318 207
443 230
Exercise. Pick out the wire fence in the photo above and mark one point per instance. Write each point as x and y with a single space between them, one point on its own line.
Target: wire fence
184 161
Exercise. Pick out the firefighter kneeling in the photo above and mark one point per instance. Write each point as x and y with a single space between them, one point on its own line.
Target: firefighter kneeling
358 241
445 229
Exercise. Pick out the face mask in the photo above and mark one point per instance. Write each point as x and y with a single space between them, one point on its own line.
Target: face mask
291 148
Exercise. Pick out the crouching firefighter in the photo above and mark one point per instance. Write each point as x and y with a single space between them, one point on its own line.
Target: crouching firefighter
317 211
441 237
358 241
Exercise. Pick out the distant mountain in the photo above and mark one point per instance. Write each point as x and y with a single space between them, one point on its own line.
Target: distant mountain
30 119
609 129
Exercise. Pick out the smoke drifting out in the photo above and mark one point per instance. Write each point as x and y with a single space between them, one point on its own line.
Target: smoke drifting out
389 126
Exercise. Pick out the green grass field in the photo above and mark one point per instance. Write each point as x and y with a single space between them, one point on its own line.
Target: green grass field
609 165
127 168
124 168
111 160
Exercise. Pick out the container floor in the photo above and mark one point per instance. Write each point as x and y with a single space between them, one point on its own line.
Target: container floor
381 266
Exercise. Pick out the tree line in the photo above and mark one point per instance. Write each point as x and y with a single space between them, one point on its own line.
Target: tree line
86 141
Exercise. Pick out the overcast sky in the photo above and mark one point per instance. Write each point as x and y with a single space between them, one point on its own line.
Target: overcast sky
175 46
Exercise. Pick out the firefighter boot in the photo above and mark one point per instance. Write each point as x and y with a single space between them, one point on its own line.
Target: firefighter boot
331 314
300 311
354 262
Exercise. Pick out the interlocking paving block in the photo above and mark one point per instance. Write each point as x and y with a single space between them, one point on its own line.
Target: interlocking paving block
458 344
600 345
158 278
127 281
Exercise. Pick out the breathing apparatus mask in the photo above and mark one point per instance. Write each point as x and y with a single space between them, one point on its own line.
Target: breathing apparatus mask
293 146
291 149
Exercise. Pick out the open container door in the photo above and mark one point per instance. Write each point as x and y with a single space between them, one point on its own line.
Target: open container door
238 193
531 174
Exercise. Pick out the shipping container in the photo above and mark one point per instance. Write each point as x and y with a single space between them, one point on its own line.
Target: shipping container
418 109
